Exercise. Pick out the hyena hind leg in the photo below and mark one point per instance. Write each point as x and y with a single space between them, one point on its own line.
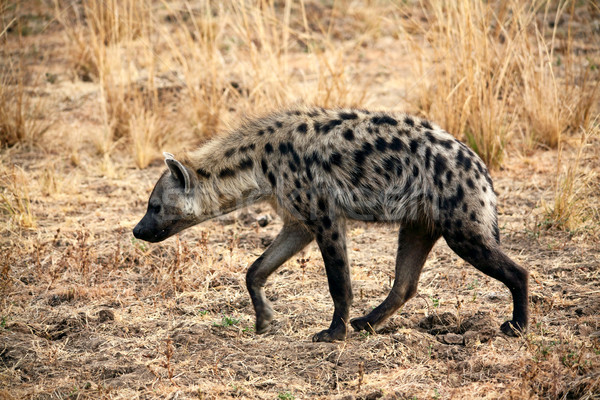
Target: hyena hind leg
492 261
414 244
292 238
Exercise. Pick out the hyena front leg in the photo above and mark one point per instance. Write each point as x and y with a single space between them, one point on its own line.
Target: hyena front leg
292 238
331 238
414 244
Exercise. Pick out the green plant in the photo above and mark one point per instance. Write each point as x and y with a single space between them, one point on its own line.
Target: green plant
285 396
227 321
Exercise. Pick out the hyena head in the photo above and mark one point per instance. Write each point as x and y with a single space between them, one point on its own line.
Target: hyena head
172 206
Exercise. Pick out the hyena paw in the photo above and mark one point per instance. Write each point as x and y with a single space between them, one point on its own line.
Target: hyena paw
512 328
362 324
329 335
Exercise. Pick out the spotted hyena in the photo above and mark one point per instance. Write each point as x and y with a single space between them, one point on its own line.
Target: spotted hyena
318 168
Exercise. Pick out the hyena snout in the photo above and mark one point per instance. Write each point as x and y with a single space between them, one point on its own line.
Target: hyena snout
148 231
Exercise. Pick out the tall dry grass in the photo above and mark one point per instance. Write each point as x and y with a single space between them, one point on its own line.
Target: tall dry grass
22 117
228 59
487 70
570 209
15 202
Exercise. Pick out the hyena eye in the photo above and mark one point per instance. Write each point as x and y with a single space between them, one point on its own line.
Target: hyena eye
155 209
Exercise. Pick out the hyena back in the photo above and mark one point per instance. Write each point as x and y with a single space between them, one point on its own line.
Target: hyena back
318 168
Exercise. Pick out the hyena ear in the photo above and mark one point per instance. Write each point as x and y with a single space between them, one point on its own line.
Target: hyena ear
179 171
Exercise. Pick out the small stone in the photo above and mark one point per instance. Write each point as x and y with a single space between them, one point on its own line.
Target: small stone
453 338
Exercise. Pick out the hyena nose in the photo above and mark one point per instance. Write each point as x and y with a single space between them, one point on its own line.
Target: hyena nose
137 232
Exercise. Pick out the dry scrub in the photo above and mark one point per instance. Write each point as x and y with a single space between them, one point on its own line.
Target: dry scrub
92 92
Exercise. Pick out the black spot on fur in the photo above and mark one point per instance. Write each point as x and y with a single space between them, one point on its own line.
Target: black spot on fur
227 172
415 171
244 149
439 166
229 152
465 207
268 148
431 137
380 144
384 119
317 126
261 132
326 222
466 164
264 166
447 144
246 163
409 121
297 183
283 148
335 236
414 146
426 124
470 183
330 125
292 166
270 129
449 175
321 204
428 158
302 128
203 173
336 159
363 153
272 179
472 216
278 124
349 134
484 188
396 144
348 115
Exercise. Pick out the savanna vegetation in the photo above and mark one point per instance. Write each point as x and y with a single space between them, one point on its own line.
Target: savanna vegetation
92 92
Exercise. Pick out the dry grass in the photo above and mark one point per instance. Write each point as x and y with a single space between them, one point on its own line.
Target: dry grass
488 70
87 311
574 182
15 202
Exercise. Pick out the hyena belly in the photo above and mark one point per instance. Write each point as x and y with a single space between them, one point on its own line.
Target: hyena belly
319 168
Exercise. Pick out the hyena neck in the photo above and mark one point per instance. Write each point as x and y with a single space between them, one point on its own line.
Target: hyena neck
227 176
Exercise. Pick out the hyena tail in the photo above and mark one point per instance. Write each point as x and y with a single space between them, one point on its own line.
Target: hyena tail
485 254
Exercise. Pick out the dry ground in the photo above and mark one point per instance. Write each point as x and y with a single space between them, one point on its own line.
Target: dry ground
89 312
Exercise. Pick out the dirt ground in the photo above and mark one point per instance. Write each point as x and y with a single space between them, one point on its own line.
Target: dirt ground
88 312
